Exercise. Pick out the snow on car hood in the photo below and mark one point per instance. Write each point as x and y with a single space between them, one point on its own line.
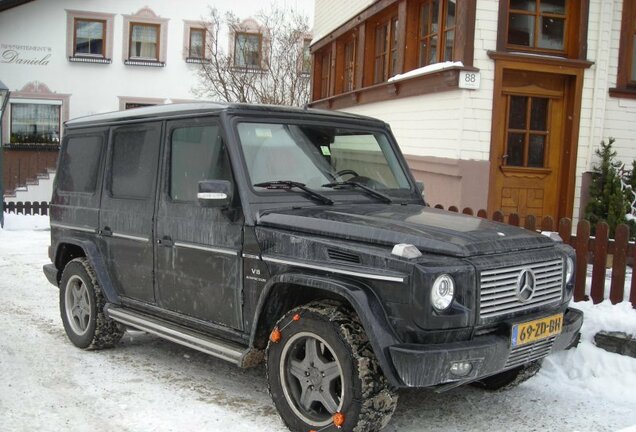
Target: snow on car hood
430 230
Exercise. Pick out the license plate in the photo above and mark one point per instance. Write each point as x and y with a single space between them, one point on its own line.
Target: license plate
536 330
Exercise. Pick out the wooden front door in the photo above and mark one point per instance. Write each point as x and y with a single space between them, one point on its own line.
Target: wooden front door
528 149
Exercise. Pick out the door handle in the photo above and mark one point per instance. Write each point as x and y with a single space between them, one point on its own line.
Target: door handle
106 232
165 241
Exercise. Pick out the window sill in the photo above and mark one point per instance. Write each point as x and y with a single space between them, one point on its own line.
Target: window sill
249 69
138 62
32 146
542 59
197 60
89 59
436 82
623 92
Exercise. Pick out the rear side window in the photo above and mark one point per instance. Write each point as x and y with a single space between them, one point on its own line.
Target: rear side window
79 164
134 162
196 153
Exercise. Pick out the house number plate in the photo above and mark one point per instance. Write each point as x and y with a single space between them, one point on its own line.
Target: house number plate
469 80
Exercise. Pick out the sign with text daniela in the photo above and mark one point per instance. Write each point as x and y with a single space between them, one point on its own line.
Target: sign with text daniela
29 55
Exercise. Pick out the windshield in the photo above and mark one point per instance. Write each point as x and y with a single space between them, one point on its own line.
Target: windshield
319 156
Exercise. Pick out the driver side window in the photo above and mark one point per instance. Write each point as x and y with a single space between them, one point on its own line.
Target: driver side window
196 153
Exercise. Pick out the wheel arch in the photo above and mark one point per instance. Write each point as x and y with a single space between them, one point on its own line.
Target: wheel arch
69 248
286 291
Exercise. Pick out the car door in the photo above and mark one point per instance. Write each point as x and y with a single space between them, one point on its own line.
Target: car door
198 263
127 209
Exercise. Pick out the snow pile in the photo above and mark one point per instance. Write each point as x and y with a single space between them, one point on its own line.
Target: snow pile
18 222
589 369
435 67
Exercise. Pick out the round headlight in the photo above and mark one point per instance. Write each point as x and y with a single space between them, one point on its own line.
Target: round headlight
569 269
442 292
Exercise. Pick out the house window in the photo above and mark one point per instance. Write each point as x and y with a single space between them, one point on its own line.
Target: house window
35 123
626 77
133 105
196 48
527 131
144 41
436 37
385 57
306 57
325 73
537 24
349 65
90 37
247 50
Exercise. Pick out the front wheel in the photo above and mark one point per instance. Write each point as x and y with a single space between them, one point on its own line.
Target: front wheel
321 365
82 308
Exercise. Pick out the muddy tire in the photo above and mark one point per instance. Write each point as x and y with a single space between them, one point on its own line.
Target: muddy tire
510 378
323 364
82 308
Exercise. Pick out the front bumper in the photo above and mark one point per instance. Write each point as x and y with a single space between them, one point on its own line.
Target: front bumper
429 365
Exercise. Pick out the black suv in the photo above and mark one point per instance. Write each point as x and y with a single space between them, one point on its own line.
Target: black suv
299 237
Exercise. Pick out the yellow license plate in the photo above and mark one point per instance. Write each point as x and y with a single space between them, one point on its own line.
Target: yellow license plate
536 330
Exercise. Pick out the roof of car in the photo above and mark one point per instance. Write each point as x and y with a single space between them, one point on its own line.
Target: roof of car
184 109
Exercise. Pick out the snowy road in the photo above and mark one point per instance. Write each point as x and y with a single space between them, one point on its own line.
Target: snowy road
146 384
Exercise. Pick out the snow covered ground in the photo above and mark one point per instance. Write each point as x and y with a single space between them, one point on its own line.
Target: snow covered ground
147 384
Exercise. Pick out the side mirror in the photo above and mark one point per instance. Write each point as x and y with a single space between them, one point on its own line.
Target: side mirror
420 186
215 193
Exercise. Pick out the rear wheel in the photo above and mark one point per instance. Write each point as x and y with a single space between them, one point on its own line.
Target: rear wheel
82 308
323 365
508 379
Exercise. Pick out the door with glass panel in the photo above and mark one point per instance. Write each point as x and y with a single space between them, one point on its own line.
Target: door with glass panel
197 253
528 153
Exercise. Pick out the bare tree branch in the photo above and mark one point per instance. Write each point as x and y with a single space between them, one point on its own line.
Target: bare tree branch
282 76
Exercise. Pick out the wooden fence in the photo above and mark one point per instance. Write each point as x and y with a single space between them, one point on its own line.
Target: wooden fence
27 208
589 250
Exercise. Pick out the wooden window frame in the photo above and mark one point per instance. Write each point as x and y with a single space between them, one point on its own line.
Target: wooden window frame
145 16
527 132
574 37
259 65
625 86
388 18
323 64
157 45
104 29
72 17
441 33
405 54
305 67
203 31
59 123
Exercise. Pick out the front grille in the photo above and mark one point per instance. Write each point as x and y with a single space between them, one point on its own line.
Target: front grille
527 353
338 255
499 288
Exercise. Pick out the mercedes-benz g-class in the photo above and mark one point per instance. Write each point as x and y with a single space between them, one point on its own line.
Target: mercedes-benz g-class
300 237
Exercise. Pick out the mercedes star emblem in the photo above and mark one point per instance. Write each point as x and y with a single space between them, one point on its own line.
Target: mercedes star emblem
525 285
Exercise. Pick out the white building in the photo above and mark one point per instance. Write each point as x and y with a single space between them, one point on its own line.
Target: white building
545 82
71 58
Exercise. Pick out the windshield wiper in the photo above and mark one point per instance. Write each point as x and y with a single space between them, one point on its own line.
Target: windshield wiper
367 189
288 184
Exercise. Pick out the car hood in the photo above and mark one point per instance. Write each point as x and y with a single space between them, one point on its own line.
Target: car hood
430 230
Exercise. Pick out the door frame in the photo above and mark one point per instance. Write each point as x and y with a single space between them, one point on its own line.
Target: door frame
573 94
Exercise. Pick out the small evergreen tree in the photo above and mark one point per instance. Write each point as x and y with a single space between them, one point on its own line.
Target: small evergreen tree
607 199
629 179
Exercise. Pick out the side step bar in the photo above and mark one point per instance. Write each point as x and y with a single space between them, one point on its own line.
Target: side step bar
229 351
